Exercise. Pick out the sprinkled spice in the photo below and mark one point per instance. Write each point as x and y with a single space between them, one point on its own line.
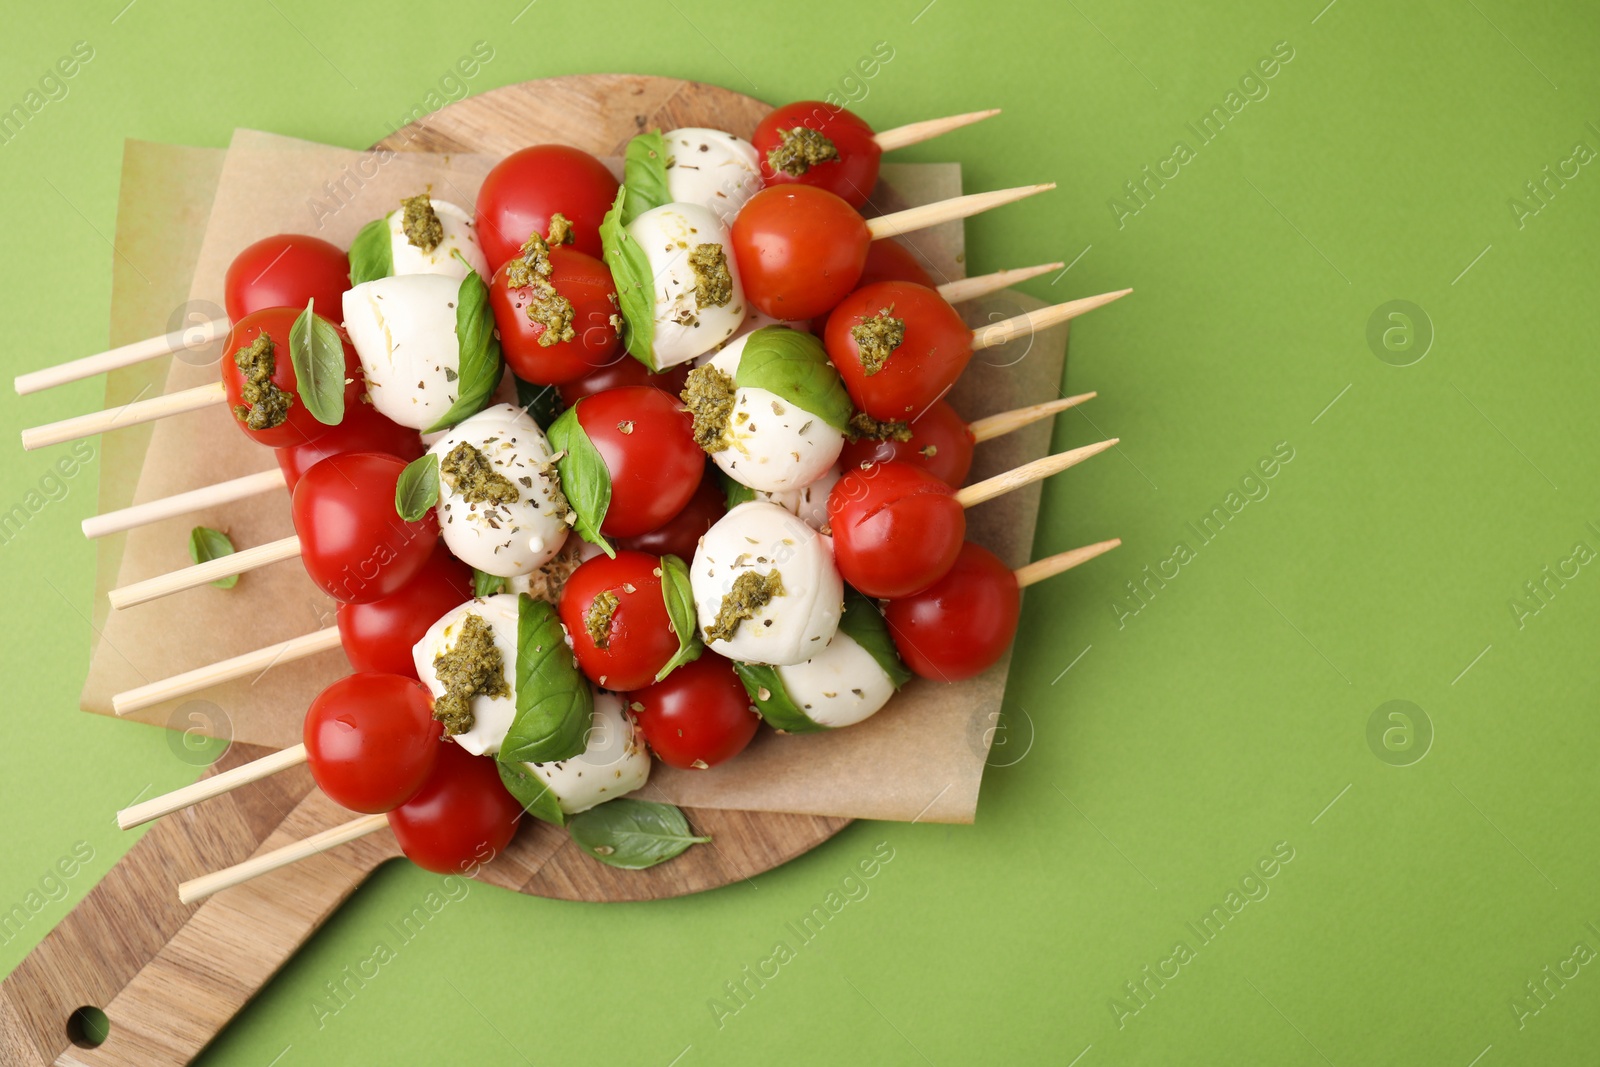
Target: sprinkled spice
877 338
265 405
709 394
531 271
420 224
473 665
597 620
713 285
799 150
863 425
473 477
750 593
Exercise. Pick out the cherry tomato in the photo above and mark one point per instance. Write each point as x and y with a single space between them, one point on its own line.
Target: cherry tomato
934 351
379 636
363 430
287 271
940 444
352 542
697 716
371 740
624 370
852 172
890 261
637 636
681 534
896 528
800 250
963 623
524 189
586 284
646 438
299 425
462 816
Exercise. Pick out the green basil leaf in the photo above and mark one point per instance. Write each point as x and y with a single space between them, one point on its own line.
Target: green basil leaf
636 285
680 614
317 352
532 792
554 703
632 834
585 478
371 254
795 366
734 492
418 488
480 366
486 584
206 544
772 700
864 624
543 402
644 172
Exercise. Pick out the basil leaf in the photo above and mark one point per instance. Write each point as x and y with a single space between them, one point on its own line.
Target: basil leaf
585 478
317 352
644 172
795 366
532 792
734 492
486 584
543 402
636 285
206 544
554 703
418 488
632 834
371 254
864 624
479 366
766 689
680 614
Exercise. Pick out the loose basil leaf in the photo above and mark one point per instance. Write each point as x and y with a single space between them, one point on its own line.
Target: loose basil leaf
863 623
632 834
486 584
735 492
636 286
680 614
206 544
644 172
585 478
795 366
371 254
479 368
766 689
543 402
532 792
554 703
418 488
317 352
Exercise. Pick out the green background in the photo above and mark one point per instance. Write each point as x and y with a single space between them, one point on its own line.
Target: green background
1230 714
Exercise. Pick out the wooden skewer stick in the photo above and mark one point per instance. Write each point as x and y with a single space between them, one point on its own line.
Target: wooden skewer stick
241 666
1050 566
126 356
183 503
157 407
987 429
214 786
959 207
207 884
1032 322
984 284
202 573
989 488
928 129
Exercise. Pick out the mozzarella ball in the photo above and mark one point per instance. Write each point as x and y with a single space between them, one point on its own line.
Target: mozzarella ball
809 502
459 236
614 761
772 444
670 235
758 538
510 537
840 686
404 330
491 716
713 169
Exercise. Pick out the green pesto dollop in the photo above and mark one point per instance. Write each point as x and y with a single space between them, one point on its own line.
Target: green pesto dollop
799 150
470 473
750 593
560 231
420 224
713 285
471 666
531 271
877 338
597 620
863 425
709 393
265 405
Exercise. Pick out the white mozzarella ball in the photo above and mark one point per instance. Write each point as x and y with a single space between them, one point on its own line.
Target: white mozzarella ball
491 716
762 538
772 445
404 330
614 760
683 329
511 538
840 686
809 502
711 168
459 236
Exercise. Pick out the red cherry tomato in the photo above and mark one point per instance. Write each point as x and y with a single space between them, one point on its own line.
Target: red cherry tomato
524 189
896 528
890 261
586 284
287 271
940 444
962 624
800 250
697 716
363 430
854 171
352 542
379 636
624 370
638 637
299 425
935 350
371 740
462 816
681 534
646 438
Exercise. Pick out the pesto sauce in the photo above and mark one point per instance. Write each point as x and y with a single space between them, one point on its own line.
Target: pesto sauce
713 285
597 620
799 150
473 665
750 593
473 477
709 394
531 271
877 338
265 405
420 223
863 425
560 231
